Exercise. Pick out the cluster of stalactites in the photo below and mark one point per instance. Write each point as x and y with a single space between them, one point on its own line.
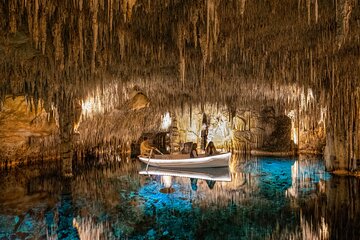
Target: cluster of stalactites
67 29
268 52
89 35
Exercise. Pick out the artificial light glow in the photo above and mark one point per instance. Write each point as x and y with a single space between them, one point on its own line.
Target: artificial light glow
220 131
292 115
294 135
90 106
86 106
100 100
166 121
306 98
167 181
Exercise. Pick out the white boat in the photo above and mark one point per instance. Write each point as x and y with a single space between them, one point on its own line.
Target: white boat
221 174
184 161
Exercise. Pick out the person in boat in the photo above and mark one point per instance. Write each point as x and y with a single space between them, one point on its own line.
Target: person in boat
210 149
146 148
204 134
193 152
186 148
210 183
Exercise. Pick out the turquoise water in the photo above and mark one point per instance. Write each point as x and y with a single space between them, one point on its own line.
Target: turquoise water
267 198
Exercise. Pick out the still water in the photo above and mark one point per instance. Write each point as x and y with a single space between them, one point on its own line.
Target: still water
255 198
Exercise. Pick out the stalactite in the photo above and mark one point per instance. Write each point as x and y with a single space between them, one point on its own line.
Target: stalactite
12 13
94 11
204 51
205 47
308 7
35 31
311 67
127 7
156 43
58 44
242 7
28 7
181 49
316 11
121 39
43 30
343 18
80 31
110 16
194 20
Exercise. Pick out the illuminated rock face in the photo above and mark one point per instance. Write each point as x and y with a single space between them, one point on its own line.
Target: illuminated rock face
241 131
299 55
24 134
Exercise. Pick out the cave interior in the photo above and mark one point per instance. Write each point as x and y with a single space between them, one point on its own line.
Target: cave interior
81 78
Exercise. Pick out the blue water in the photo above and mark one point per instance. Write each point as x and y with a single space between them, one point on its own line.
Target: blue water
267 198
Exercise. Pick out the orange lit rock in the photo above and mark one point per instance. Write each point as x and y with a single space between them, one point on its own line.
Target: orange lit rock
24 134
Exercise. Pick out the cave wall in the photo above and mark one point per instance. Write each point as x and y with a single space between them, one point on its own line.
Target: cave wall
342 150
26 135
241 131
229 52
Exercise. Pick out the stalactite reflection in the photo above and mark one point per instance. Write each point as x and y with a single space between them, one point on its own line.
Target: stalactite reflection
110 200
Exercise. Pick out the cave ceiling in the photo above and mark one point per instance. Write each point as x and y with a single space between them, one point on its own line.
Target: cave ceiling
233 52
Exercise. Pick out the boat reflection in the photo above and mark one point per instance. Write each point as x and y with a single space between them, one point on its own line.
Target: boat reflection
210 174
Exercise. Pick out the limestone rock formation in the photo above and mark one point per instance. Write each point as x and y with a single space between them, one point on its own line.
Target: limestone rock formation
299 56
279 139
26 134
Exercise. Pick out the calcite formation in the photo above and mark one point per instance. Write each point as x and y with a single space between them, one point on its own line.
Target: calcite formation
295 56
26 134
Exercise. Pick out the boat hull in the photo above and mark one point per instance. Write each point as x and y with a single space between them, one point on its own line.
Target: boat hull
183 161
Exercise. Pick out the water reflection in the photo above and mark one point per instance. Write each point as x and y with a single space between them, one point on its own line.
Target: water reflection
221 174
267 198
